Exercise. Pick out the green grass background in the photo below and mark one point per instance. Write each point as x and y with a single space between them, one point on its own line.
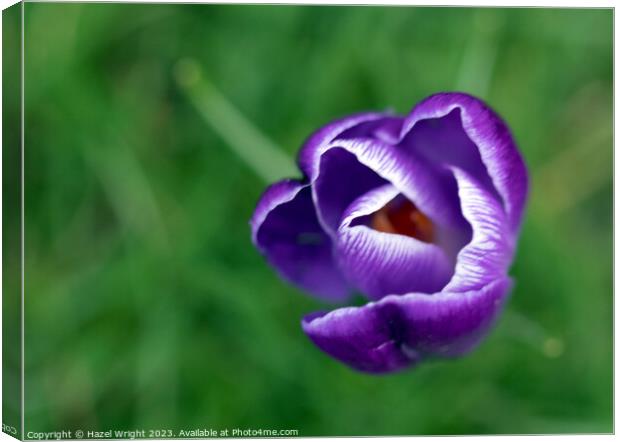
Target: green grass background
147 305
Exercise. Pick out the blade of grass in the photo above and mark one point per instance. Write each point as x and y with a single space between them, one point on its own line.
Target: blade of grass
263 156
476 70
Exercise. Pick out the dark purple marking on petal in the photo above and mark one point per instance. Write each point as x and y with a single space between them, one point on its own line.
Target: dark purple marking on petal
399 331
286 230
361 337
493 139
379 263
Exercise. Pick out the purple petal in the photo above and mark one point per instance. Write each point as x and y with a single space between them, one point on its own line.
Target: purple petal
489 253
336 175
361 337
379 263
286 230
399 331
488 133
342 178
316 144
442 141
451 324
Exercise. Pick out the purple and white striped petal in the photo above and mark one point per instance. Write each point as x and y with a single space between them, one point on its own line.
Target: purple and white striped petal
351 126
489 253
379 263
490 139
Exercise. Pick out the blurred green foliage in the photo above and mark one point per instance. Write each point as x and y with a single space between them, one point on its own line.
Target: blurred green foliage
147 305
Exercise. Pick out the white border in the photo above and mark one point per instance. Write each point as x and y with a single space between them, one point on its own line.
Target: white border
483 3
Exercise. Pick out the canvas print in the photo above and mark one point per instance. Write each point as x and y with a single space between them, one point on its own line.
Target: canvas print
301 220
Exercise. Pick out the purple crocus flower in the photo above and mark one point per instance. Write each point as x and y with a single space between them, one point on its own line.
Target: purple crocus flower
420 214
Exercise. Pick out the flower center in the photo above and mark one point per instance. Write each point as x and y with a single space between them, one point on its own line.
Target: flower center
404 218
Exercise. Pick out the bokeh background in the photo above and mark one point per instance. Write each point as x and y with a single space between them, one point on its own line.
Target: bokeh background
147 305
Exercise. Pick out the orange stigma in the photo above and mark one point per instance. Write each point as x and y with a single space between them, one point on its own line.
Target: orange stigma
403 218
